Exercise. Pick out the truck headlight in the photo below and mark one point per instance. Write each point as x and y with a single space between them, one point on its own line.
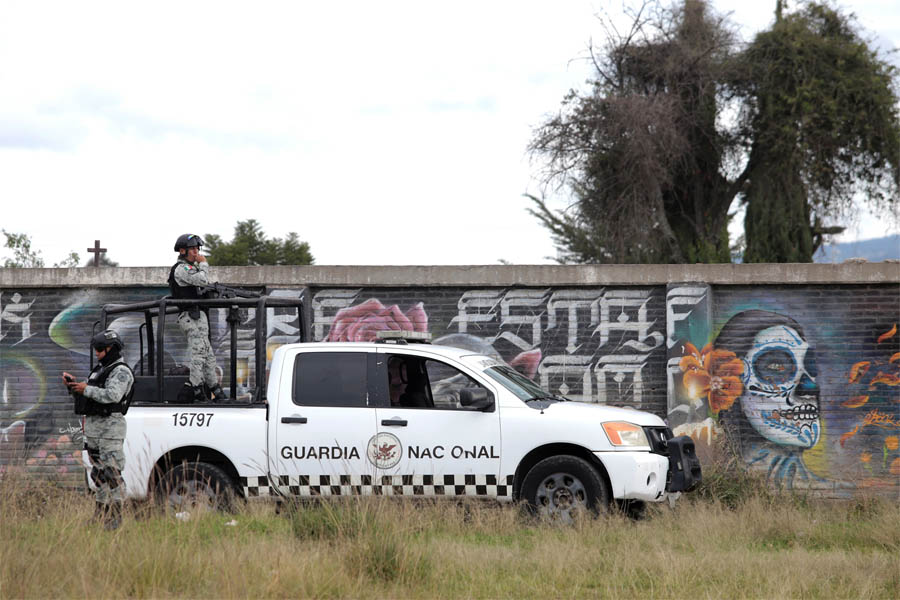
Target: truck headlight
621 433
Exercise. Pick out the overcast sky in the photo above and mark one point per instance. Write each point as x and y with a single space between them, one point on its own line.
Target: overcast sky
381 132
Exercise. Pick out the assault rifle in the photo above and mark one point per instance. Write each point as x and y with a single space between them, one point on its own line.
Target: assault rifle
217 290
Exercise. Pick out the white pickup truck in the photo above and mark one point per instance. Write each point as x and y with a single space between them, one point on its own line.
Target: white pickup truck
400 418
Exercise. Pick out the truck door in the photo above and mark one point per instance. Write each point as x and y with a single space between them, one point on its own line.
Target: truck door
428 443
323 424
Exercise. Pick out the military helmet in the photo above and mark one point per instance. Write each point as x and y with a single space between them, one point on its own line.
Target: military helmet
105 339
188 240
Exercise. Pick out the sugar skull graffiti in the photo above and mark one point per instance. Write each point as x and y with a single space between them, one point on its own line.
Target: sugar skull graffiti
772 417
781 398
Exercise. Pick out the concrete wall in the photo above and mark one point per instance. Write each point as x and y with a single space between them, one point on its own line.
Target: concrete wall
795 366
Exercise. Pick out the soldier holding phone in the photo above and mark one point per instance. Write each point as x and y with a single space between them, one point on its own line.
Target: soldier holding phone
103 400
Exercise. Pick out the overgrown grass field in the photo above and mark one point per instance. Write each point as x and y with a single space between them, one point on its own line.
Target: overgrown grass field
757 546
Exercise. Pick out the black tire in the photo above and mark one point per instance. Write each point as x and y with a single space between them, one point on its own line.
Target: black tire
193 485
559 487
635 510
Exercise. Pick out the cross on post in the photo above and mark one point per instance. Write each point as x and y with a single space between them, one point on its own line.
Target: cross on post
96 250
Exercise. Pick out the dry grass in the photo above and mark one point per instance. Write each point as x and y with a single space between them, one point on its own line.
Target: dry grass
766 547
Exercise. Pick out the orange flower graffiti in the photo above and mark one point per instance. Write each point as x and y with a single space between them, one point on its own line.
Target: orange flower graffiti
885 378
856 401
713 373
858 370
865 457
873 417
887 374
888 334
895 466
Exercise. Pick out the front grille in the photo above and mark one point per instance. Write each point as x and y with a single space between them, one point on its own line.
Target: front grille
659 438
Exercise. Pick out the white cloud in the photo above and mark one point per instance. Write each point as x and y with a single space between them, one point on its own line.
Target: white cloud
385 133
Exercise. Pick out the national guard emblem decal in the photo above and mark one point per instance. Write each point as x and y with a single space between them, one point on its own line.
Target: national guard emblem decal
384 450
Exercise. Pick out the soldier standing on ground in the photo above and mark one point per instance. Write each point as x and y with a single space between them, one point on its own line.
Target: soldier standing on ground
104 398
186 275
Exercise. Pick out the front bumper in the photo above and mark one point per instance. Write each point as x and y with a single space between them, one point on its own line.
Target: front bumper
684 466
671 467
636 475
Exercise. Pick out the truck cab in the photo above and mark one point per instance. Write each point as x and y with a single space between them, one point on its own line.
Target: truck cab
409 419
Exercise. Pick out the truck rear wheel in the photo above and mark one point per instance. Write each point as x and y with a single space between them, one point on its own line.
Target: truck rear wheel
559 487
194 485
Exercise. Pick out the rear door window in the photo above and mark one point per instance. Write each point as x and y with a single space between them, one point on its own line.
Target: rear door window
330 379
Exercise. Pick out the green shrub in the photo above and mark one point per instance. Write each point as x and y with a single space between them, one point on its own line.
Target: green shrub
728 480
330 520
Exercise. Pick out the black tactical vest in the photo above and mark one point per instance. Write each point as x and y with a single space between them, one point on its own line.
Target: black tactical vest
187 292
87 406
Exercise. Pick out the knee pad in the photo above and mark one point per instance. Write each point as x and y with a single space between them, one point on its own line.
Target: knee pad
96 476
112 477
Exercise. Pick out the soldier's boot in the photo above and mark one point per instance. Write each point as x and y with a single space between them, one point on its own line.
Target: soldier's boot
201 393
113 516
99 515
186 394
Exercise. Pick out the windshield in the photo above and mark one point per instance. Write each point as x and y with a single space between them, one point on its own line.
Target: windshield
518 384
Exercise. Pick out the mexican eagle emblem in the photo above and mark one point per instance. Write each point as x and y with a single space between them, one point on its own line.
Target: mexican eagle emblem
384 450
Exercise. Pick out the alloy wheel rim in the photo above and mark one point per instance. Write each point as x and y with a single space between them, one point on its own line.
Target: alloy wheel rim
561 495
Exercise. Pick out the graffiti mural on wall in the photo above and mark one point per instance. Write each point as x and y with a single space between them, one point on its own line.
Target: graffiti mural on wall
594 345
45 332
759 381
802 382
872 433
32 434
795 401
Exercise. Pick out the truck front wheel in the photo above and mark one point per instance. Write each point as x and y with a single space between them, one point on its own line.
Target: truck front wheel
559 487
197 484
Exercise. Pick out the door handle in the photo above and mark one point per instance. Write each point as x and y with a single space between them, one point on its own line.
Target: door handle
398 422
293 419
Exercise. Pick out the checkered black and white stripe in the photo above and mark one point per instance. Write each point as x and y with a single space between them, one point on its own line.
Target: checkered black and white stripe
487 486
257 486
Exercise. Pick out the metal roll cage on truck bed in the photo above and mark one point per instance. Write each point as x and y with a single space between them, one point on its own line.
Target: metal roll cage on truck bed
153 385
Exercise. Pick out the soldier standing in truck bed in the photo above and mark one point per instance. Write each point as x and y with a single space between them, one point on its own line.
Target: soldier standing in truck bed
186 275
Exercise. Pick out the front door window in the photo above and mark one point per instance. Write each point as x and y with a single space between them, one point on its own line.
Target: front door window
429 442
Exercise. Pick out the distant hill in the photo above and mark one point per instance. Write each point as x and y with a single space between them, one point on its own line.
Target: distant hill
874 250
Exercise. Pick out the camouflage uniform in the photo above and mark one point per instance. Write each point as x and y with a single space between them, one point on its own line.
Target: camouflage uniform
203 361
104 436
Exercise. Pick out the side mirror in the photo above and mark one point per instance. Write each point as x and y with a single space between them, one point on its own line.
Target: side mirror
476 398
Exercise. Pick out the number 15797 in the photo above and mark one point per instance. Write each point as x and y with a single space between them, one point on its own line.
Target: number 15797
191 419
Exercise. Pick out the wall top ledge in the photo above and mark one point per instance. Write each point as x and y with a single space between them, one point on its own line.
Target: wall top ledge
470 275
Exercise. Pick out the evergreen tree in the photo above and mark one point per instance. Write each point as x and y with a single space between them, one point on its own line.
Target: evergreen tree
250 246
655 157
822 121
104 261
